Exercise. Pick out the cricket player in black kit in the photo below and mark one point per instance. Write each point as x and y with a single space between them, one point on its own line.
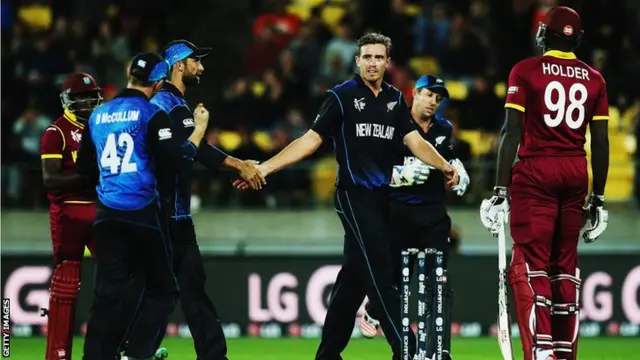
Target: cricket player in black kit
419 218
128 145
185 60
366 118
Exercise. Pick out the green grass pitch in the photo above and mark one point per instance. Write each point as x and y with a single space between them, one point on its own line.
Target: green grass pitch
358 349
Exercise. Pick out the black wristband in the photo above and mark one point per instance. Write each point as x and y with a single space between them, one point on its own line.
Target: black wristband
597 200
500 191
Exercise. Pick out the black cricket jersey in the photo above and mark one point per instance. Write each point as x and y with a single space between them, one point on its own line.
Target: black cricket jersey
365 130
171 100
439 135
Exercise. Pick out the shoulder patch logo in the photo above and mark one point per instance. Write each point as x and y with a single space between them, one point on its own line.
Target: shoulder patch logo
359 104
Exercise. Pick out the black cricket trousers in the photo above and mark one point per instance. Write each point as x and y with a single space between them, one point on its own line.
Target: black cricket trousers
199 311
130 244
367 269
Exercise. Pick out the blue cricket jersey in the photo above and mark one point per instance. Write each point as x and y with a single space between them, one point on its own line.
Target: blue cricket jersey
129 143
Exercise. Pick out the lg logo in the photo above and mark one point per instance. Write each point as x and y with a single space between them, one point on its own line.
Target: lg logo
283 296
598 300
37 279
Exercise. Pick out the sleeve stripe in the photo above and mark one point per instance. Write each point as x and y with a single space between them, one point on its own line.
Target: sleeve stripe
64 142
514 106
51 156
600 117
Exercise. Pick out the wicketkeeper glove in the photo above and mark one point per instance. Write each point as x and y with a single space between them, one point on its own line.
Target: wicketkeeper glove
463 177
490 208
415 173
596 219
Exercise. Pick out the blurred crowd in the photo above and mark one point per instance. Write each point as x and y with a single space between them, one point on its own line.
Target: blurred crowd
297 50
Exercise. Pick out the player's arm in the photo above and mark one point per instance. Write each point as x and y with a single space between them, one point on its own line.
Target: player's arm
449 153
51 148
510 137
511 133
424 151
599 155
209 156
170 152
416 144
324 126
599 129
87 162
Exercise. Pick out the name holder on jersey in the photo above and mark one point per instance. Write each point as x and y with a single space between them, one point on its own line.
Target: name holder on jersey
571 72
118 116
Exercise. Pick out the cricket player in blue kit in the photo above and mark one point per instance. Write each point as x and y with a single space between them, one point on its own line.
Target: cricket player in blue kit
128 146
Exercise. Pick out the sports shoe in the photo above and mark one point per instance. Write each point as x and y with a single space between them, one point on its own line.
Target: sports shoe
369 326
161 353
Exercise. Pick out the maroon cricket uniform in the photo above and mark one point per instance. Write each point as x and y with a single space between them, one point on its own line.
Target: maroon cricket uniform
71 214
559 96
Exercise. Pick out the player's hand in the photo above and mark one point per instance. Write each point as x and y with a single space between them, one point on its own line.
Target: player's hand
490 208
251 174
463 178
201 116
596 219
451 175
415 173
242 184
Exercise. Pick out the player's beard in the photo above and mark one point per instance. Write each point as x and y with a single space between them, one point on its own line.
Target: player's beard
372 77
83 109
190 79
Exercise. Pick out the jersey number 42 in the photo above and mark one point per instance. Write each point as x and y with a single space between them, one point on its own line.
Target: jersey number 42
572 112
110 159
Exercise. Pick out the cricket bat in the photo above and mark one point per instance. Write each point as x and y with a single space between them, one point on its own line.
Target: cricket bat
504 318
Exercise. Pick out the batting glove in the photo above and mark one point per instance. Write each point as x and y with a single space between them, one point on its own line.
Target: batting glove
415 173
596 219
490 208
463 177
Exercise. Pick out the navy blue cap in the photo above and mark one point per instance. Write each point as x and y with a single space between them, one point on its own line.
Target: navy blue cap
149 67
181 49
432 83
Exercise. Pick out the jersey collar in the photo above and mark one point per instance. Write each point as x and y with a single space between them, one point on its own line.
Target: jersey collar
132 93
72 118
169 87
560 54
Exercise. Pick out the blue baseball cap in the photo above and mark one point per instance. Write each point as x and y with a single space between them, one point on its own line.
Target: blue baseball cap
432 83
181 49
149 67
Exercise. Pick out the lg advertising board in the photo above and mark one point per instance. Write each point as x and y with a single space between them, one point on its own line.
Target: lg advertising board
273 296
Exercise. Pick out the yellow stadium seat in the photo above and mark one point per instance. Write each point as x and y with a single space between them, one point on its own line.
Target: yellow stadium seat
299 10
263 140
424 65
627 120
331 15
230 140
258 88
480 142
614 118
500 90
457 90
323 176
37 17
412 10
